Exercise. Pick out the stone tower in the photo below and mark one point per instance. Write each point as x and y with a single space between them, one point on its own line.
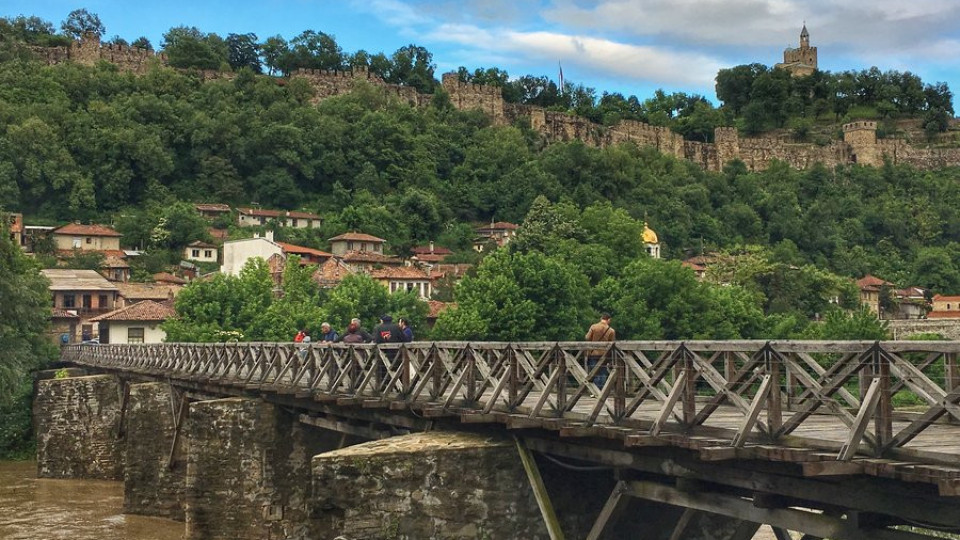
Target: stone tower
861 138
801 61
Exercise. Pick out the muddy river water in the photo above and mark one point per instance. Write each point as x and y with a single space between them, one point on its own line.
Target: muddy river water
40 509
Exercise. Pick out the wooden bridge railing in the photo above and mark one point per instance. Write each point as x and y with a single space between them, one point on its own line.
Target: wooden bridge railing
740 391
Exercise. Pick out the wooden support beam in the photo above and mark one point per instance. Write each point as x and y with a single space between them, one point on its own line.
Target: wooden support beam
867 408
788 518
539 491
178 418
756 406
345 427
610 512
679 386
781 533
681 528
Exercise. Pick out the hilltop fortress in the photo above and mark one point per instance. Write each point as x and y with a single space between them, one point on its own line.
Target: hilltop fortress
859 145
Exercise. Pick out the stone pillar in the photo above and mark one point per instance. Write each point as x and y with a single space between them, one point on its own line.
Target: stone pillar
248 470
76 420
150 486
425 485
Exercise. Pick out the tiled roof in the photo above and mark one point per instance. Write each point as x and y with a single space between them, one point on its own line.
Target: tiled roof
946 298
437 307
399 272
370 257
424 250
953 314
430 257
86 230
212 207
258 212
200 244
499 226
869 282
302 215
148 291
356 237
300 250
77 280
331 272
167 277
60 313
148 310
111 261
455 269
218 234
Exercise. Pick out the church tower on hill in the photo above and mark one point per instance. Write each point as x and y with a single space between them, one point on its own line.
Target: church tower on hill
801 61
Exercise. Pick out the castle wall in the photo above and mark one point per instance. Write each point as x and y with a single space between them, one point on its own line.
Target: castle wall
860 144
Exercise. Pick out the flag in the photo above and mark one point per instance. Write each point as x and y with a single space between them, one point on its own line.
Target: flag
561 77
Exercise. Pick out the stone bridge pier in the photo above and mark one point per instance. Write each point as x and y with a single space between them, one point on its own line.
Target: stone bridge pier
244 468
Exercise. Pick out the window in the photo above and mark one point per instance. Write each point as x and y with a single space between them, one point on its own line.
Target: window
87 301
294 222
76 243
89 240
195 253
208 253
102 301
134 335
69 301
363 246
349 246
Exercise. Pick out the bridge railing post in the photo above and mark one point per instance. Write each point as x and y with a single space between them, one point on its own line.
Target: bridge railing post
774 404
620 380
689 393
883 421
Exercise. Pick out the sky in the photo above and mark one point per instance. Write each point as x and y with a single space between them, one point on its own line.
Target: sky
628 46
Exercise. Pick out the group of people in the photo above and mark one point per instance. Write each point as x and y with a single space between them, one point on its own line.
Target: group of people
385 332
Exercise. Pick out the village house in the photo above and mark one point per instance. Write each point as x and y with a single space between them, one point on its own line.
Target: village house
307 255
354 241
430 254
329 274
200 251
136 323
86 238
254 217
911 303
945 307
212 211
84 293
236 253
63 326
870 287
404 278
168 279
499 233
114 266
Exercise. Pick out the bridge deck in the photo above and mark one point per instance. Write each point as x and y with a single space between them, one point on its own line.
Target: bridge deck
825 406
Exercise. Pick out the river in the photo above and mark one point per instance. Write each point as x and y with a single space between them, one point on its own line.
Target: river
40 509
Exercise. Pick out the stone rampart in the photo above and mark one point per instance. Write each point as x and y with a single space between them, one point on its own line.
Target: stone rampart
860 144
76 420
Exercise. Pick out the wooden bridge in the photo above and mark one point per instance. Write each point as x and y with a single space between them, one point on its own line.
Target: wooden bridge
834 439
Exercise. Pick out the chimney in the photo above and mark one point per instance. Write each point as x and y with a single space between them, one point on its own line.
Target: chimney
269 235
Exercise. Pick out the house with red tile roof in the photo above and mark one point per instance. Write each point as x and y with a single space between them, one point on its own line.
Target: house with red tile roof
200 251
354 241
945 307
870 287
329 274
212 211
86 237
499 233
404 278
430 254
136 323
307 255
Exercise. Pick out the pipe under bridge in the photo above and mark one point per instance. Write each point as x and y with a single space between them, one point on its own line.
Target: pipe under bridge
838 439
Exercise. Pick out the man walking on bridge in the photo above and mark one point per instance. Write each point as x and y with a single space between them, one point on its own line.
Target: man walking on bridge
599 331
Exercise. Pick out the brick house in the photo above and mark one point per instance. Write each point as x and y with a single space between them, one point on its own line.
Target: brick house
84 293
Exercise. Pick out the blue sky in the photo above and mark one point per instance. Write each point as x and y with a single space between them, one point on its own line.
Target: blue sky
628 46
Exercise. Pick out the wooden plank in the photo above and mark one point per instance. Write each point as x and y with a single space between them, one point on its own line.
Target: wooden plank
831 468
756 406
611 511
679 387
539 491
867 408
345 427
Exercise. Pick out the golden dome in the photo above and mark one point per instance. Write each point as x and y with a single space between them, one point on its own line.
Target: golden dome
649 237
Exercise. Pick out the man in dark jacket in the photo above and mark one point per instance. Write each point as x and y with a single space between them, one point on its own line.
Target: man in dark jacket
387 332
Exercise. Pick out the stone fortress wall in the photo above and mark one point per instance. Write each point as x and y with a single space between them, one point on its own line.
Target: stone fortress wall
859 145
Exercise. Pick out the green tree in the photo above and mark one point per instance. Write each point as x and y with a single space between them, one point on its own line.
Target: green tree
80 22
243 51
188 47
24 322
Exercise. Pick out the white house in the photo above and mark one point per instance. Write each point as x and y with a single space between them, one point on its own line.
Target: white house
236 253
137 323
200 251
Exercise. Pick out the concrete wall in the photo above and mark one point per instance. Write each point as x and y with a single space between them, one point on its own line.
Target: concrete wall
237 252
85 243
120 330
76 421
903 329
